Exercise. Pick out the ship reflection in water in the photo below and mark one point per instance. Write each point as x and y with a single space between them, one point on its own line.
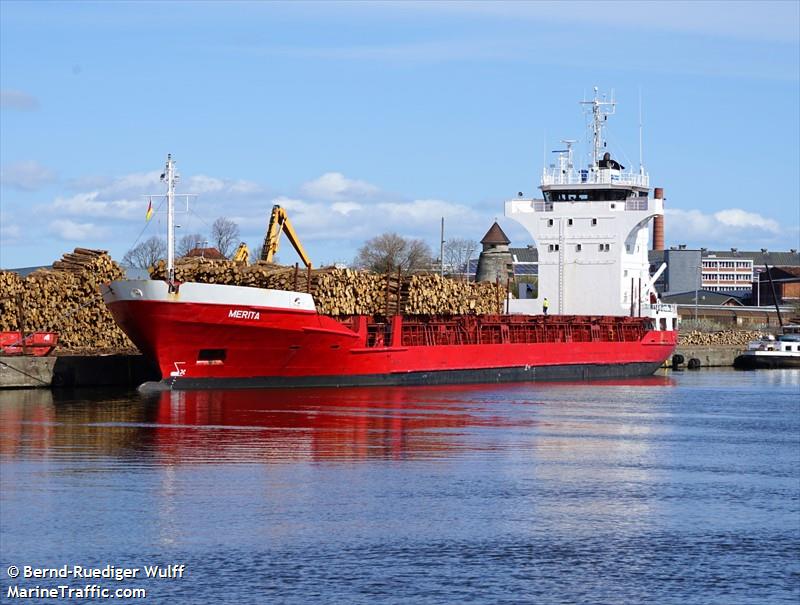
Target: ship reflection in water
217 426
664 490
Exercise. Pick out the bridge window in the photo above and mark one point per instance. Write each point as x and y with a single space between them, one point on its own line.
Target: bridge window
594 222
577 247
588 195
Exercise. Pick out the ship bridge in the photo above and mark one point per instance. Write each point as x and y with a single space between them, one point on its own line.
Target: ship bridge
591 228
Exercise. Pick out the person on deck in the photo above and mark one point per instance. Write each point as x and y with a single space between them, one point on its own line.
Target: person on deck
545 305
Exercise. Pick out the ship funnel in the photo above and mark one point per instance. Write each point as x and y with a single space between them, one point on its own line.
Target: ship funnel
658 223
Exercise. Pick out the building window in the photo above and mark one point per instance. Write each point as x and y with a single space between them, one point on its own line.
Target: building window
604 247
553 247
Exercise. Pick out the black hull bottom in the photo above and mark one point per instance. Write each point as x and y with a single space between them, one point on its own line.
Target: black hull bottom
760 362
477 376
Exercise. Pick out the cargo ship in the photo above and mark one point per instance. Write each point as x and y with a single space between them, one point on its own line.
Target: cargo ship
591 227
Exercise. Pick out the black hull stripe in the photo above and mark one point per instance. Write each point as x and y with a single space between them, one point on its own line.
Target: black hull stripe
762 362
477 376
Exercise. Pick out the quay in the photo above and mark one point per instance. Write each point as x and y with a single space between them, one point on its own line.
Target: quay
64 371
710 356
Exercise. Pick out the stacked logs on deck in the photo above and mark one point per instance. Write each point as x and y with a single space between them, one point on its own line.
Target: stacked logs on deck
65 299
348 292
726 337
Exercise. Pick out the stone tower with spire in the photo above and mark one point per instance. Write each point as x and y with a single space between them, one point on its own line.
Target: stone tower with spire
494 262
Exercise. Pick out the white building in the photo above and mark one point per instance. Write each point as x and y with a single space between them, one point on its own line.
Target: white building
727 274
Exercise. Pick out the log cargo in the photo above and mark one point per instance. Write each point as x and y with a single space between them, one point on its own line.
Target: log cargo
344 292
65 299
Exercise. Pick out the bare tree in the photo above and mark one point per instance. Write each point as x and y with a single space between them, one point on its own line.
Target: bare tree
189 242
387 251
146 254
457 254
225 235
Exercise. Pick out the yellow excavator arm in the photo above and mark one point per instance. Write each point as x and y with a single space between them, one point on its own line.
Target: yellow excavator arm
279 221
242 254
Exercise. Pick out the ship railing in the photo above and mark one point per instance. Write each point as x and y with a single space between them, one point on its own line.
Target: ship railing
659 309
557 176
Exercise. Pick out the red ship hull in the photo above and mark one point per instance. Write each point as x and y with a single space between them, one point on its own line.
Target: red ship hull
223 344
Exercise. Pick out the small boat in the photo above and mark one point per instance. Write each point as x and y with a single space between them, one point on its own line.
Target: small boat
772 353
37 344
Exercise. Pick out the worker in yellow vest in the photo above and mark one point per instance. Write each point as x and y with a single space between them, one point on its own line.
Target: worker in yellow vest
545 305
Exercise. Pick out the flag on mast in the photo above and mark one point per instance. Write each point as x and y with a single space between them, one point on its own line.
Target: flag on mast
149 214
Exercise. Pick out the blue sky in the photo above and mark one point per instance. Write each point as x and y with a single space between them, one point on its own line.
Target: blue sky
362 118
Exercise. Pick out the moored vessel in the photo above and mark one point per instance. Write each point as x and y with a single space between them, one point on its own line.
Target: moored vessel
772 352
213 335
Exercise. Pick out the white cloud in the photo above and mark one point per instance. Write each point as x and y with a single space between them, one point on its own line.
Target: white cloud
89 204
16 99
141 182
73 231
345 207
8 231
245 188
330 223
737 218
725 228
335 186
773 18
125 197
27 175
204 184
425 212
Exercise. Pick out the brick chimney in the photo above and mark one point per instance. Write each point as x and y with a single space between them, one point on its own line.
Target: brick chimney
658 223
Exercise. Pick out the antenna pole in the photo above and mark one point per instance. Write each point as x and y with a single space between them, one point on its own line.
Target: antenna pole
599 115
441 251
641 157
170 177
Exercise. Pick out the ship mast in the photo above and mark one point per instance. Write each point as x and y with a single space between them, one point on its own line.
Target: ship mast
600 112
171 178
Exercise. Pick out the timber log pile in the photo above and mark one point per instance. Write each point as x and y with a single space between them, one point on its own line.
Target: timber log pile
348 292
728 337
65 299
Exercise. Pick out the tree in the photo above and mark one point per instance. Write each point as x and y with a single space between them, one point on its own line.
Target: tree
457 254
225 235
189 242
387 251
146 254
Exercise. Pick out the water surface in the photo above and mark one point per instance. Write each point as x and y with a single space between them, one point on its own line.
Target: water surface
680 489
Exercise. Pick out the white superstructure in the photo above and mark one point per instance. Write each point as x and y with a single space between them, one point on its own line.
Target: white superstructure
592 232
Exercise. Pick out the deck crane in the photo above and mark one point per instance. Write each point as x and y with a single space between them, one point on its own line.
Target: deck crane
279 221
242 254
